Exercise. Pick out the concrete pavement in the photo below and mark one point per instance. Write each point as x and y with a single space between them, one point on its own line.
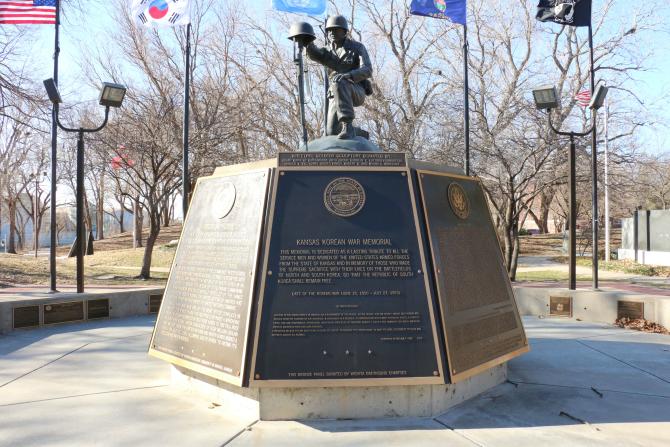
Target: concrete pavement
93 384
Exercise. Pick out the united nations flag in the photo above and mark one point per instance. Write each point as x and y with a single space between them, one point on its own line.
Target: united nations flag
316 7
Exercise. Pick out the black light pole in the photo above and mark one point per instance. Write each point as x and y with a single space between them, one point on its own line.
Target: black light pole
54 170
594 174
572 251
546 98
112 96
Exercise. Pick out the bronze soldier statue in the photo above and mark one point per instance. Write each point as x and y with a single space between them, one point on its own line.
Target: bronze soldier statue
349 72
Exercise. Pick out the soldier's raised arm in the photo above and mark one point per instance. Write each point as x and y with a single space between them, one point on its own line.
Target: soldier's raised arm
321 55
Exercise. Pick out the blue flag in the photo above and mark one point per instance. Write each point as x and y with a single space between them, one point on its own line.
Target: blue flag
453 10
316 7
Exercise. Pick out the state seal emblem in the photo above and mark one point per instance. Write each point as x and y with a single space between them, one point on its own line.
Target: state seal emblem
344 197
458 201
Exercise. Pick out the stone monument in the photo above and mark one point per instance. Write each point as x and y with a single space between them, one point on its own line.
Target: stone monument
339 282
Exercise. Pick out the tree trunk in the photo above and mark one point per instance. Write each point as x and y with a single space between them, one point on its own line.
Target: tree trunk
515 252
508 240
154 229
11 240
166 212
137 223
121 220
37 231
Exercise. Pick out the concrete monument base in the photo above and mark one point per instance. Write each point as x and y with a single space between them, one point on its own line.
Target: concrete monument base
645 257
277 404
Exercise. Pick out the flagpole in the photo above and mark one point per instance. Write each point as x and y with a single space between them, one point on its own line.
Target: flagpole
607 201
54 173
466 100
187 84
594 172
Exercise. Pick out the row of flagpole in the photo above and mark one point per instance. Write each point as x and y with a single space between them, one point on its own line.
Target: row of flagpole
143 15
455 11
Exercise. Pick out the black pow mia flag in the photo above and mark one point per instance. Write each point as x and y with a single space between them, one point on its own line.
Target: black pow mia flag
565 12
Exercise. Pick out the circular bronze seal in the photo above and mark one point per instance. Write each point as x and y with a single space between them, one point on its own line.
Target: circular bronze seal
458 201
344 197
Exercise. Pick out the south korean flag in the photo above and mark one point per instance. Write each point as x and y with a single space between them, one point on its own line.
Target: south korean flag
161 12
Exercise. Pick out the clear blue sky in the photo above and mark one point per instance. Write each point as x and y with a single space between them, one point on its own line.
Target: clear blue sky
80 29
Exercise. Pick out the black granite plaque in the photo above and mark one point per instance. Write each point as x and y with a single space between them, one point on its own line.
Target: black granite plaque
479 314
203 321
26 316
97 308
155 303
345 294
560 306
342 159
63 312
630 309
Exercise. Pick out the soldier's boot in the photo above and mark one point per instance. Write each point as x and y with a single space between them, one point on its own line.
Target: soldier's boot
348 131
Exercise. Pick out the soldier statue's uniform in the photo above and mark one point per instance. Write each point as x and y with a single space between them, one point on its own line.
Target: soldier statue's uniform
349 70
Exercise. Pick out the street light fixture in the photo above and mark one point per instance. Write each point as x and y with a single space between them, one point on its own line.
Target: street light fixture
547 99
52 91
598 97
111 95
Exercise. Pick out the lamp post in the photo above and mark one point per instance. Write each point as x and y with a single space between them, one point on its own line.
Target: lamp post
36 208
111 95
547 99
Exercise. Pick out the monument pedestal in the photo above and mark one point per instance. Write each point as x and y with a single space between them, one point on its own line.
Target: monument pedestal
374 402
338 284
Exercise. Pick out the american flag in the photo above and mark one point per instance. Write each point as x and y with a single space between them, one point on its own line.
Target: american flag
583 98
23 12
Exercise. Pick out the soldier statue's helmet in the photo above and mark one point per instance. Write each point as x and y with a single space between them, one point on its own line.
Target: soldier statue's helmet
337 22
301 32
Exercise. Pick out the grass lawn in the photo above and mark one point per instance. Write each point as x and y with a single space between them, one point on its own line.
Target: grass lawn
626 266
548 275
104 267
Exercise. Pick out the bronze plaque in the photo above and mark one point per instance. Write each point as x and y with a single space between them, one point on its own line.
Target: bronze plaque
26 316
480 319
345 299
155 303
97 308
560 306
630 309
342 159
203 322
63 312
458 200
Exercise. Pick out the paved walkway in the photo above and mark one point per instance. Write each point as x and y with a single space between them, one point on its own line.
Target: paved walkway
93 384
